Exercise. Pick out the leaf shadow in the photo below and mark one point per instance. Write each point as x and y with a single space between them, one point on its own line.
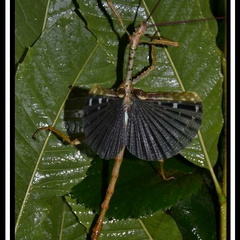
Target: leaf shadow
140 190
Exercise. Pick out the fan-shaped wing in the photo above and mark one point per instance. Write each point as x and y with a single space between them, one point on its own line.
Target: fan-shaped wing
103 125
159 129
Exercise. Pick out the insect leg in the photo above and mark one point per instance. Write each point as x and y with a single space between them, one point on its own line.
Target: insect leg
104 206
150 68
116 13
58 133
155 40
162 171
159 40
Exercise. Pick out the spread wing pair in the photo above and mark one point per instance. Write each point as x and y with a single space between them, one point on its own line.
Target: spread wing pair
156 128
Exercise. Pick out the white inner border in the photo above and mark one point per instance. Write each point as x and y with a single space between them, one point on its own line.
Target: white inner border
232 120
7 119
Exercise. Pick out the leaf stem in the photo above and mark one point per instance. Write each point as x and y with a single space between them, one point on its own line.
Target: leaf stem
220 193
223 221
221 196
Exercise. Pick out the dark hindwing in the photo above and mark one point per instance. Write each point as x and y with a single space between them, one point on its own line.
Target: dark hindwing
103 125
161 129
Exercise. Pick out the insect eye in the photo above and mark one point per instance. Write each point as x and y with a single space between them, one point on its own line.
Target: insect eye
121 92
140 94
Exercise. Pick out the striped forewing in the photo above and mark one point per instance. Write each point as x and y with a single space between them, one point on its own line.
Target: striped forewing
103 125
159 129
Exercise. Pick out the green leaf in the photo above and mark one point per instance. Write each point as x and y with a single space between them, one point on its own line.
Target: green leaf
80 48
140 190
162 226
196 216
61 223
158 226
32 19
29 19
45 171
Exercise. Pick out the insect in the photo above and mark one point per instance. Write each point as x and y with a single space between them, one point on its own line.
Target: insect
152 126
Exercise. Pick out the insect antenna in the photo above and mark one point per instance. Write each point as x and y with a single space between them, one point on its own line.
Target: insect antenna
186 21
153 10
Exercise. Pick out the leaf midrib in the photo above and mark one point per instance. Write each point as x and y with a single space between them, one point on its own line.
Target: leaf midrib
27 195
